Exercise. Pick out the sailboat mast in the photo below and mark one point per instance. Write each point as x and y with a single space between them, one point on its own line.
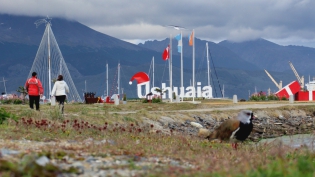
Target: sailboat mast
106 79
85 85
153 69
49 72
118 82
60 66
181 62
223 91
5 89
170 63
193 66
208 64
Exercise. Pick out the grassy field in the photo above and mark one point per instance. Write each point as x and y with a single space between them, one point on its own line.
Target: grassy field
123 125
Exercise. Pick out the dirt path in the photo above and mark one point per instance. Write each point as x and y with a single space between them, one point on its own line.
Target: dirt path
245 106
237 106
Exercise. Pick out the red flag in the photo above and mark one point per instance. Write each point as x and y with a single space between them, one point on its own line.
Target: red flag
165 55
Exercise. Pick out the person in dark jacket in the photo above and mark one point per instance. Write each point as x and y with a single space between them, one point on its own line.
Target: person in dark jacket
35 90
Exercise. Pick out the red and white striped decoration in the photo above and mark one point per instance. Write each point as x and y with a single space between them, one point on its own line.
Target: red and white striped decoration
290 89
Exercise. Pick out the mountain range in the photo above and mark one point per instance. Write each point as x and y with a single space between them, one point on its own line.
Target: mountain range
238 67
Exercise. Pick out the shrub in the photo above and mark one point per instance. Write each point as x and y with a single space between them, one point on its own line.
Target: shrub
124 97
6 101
17 101
272 97
12 101
156 100
261 96
4 115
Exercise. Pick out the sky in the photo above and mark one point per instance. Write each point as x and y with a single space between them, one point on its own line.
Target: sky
285 22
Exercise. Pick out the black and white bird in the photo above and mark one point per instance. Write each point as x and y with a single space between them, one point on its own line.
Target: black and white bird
238 128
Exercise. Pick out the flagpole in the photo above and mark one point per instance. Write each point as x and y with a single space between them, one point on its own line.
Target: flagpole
208 64
153 69
118 81
193 65
170 69
106 79
181 66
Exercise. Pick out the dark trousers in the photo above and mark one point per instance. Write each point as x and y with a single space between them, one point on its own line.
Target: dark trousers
32 100
61 99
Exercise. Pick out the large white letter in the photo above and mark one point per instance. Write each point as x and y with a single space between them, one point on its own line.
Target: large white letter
164 88
207 92
182 92
147 89
175 90
190 91
198 89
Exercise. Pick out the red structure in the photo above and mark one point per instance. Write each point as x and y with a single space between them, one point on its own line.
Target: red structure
305 96
294 88
290 89
107 100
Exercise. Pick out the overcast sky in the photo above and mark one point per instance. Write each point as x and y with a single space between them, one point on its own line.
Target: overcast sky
285 22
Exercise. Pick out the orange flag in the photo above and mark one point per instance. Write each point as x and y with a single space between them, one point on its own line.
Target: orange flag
191 38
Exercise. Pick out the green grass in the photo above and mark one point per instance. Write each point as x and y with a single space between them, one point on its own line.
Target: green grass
133 138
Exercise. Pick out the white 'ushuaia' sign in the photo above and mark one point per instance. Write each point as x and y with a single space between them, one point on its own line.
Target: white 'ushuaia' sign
144 81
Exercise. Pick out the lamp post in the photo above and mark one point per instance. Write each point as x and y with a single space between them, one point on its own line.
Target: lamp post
5 88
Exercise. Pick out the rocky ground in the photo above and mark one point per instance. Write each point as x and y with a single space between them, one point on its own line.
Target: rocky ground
269 123
29 157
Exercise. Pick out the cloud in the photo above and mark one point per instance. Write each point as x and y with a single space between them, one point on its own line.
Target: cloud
138 20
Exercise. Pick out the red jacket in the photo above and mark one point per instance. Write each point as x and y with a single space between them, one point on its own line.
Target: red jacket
34 86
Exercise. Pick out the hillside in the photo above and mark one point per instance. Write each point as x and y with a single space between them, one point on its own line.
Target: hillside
274 57
222 56
76 41
87 51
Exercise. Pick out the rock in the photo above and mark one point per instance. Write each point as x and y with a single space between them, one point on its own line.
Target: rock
166 120
172 126
42 161
79 166
198 119
258 130
8 152
285 126
187 122
281 117
112 142
195 124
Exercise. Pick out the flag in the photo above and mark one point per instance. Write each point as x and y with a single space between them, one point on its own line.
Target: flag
179 45
178 37
191 38
165 55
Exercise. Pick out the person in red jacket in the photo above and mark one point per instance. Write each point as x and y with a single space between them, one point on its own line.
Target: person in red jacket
35 90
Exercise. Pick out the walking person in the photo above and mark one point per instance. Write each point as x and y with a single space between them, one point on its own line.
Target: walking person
59 90
35 90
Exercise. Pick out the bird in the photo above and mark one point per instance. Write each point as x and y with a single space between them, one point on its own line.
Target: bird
238 129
